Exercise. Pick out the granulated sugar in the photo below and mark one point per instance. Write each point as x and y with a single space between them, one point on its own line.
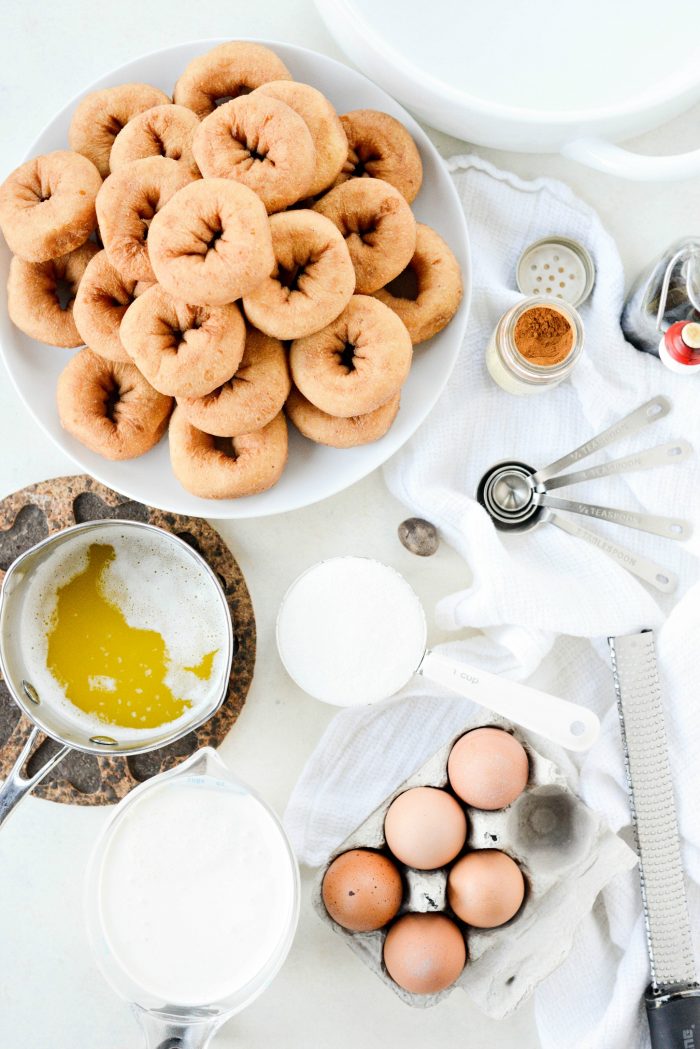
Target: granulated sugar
351 630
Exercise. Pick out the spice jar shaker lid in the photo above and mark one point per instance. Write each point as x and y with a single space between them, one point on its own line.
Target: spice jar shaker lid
557 267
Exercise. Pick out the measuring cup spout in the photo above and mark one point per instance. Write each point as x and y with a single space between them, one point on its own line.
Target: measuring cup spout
165 1032
17 786
568 724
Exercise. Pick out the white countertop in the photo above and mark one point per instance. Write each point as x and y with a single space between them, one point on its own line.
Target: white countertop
51 993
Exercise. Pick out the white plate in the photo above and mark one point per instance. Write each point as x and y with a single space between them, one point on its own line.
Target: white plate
313 471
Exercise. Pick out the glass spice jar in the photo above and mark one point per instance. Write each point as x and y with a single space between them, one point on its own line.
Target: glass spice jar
519 374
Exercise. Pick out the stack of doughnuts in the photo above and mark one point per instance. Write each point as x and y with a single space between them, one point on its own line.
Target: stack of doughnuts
229 259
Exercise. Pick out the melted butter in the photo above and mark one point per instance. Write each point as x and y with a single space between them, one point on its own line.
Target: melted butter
205 666
109 669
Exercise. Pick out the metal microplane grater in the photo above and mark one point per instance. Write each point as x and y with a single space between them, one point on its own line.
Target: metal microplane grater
673 997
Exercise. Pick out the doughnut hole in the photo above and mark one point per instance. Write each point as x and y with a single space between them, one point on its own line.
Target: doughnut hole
378 227
126 206
260 142
183 350
356 363
312 282
41 296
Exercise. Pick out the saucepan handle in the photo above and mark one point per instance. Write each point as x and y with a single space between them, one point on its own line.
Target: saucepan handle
614 160
16 786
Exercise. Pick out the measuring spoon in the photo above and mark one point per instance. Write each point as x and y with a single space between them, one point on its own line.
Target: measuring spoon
351 631
647 413
667 454
668 527
643 567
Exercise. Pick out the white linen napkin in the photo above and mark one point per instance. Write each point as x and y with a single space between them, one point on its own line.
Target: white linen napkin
544 601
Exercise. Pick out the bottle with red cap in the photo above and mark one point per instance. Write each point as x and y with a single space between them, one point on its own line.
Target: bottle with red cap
679 348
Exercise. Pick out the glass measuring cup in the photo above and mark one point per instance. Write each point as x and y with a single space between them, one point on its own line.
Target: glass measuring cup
179 1023
350 630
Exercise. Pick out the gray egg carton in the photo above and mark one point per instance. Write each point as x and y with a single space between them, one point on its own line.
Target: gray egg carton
566 852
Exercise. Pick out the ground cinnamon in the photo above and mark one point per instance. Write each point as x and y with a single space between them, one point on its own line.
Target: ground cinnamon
543 336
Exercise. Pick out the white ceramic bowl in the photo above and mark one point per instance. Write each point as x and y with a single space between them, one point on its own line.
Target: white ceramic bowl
313 472
572 78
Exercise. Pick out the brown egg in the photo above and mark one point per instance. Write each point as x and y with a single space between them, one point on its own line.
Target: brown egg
424 953
425 828
362 890
488 768
485 888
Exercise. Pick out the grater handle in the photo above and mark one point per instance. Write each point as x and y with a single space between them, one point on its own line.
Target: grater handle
674 1018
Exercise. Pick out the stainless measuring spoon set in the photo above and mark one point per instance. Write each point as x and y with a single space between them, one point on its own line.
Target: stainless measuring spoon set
518 497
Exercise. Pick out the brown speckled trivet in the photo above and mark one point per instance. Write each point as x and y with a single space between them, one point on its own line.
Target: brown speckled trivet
84 779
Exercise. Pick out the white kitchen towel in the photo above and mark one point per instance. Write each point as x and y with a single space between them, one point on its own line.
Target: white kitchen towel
544 601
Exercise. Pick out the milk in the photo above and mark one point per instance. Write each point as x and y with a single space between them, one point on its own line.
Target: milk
196 891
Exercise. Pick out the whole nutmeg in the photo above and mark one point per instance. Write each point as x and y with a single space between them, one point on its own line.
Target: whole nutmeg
419 536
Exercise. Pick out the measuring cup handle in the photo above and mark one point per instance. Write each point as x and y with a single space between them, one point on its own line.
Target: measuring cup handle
16 786
568 724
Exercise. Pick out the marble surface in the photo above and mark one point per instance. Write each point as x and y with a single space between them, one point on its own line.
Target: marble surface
50 991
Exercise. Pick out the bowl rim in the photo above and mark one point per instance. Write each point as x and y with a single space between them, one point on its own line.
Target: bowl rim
662 93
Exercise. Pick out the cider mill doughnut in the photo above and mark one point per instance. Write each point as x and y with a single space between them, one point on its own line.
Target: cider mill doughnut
224 72
328 429
379 146
102 300
33 296
127 203
47 205
311 283
224 467
163 131
211 243
327 132
439 287
251 398
262 143
183 351
378 227
100 116
109 407
355 364
241 249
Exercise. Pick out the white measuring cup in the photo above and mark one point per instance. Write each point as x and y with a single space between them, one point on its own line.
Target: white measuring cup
350 631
